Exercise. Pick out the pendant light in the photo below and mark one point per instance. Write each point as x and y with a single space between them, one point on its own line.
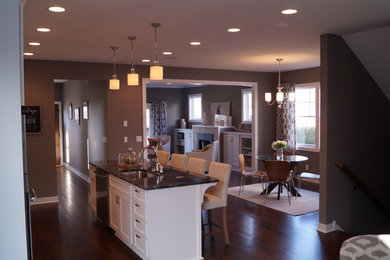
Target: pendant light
114 82
279 94
132 77
156 71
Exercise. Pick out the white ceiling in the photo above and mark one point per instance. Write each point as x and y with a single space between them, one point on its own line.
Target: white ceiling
88 27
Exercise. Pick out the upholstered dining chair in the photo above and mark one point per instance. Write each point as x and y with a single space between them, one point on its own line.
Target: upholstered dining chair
196 165
280 174
163 158
262 175
178 162
216 197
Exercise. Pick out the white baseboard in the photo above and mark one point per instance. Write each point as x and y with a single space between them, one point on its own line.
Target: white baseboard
44 200
327 228
77 172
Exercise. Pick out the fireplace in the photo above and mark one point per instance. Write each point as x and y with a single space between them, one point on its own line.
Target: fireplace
204 139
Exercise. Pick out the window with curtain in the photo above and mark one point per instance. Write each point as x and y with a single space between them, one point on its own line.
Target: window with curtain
195 107
307 111
246 103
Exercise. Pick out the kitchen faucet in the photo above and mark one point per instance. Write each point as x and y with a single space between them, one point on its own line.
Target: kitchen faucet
157 168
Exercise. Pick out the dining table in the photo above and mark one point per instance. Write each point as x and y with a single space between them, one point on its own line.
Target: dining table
294 161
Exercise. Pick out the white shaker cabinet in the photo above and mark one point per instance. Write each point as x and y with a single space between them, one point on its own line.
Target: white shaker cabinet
163 223
120 202
231 149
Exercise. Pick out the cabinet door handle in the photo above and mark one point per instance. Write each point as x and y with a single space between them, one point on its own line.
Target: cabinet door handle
137 205
118 200
138 236
136 191
137 220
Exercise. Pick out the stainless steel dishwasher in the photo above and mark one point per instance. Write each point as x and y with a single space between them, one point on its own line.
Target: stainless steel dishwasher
102 196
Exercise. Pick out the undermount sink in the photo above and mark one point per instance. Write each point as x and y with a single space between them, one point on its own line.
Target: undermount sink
139 174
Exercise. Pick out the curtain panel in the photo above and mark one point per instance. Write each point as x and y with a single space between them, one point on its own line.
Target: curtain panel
159 113
285 118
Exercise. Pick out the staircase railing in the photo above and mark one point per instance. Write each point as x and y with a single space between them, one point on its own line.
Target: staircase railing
362 187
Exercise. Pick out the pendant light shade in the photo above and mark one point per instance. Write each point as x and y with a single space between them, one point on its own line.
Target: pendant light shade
114 82
132 77
156 71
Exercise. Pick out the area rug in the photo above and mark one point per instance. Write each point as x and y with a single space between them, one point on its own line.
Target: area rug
309 201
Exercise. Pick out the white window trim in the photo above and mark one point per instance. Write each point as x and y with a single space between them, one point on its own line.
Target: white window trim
242 105
201 111
317 147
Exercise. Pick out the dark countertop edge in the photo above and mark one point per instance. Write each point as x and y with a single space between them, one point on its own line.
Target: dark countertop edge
117 174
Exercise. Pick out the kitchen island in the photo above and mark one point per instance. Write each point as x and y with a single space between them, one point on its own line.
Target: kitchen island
158 217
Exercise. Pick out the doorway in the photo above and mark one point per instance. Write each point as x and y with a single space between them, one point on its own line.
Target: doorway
58 132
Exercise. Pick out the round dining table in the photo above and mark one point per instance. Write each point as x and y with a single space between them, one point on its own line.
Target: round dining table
293 159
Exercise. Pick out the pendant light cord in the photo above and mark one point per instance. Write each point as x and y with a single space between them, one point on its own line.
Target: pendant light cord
114 58
155 25
279 60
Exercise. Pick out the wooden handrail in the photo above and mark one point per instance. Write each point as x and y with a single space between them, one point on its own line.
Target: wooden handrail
362 187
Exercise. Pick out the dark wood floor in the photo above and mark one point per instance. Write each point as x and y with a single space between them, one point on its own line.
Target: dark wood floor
70 230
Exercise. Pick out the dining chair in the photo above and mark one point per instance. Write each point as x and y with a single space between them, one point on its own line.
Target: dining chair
178 162
262 175
216 197
196 165
163 158
280 174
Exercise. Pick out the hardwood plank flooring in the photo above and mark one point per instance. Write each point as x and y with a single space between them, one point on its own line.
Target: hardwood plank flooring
70 230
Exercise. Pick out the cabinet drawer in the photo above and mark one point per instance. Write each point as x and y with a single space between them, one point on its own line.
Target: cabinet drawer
139 209
139 194
139 226
140 244
120 186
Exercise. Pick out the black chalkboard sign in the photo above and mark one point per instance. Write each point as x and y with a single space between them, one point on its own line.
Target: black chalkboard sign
33 118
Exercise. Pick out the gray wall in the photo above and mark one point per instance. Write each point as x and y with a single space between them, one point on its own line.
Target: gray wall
355 128
125 104
75 92
299 77
12 217
58 91
212 93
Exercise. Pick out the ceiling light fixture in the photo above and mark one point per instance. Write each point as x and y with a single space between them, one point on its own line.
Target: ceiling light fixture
41 29
234 29
34 43
289 11
195 43
279 95
56 9
114 82
156 71
132 77
145 60
28 54
167 53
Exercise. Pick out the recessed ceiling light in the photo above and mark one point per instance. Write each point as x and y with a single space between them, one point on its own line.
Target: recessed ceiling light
234 29
43 29
167 53
145 60
34 43
28 54
195 43
56 9
289 11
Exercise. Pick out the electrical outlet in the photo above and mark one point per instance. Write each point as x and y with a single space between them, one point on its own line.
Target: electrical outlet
138 139
306 167
125 139
124 123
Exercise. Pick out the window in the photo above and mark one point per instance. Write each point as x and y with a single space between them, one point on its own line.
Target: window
195 107
307 116
246 102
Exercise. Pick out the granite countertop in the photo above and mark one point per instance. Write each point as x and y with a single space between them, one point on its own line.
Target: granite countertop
149 181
